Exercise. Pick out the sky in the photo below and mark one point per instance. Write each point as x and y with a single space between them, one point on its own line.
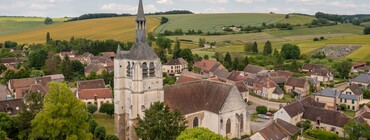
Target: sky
73 8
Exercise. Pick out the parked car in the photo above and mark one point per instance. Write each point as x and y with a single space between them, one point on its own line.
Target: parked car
263 116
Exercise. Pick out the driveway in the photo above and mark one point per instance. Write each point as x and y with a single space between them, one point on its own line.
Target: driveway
261 123
268 104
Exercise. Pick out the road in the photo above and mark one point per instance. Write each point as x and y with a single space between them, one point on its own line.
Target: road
3 92
268 104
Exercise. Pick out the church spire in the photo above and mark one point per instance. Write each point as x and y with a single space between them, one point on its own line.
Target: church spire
140 24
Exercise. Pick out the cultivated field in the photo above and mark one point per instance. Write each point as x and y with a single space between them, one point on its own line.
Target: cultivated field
11 25
214 22
121 29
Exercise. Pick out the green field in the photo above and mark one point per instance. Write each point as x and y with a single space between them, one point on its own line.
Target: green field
11 25
105 121
366 24
120 29
214 22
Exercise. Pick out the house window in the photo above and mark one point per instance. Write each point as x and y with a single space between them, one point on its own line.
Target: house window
353 107
345 100
349 107
353 101
318 122
228 126
340 100
195 122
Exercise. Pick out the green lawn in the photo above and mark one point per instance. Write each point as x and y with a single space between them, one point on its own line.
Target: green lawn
349 113
214 22
105 121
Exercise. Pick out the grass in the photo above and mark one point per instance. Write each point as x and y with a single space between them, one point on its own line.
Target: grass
11 25
336 29
120 29
366 24
105 121
297 19
349 113
214 22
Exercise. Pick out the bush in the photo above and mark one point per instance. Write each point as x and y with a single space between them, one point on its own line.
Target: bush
111 137
100 132
107 108
92 126
322 38
261 109
92 108
316 39
48 20
305 125
343 107
322 135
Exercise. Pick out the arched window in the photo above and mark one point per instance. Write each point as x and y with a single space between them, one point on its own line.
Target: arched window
145 70
151 69
129 74
195 122
228 126
241 123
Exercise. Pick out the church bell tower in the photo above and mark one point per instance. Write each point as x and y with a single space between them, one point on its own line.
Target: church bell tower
138 81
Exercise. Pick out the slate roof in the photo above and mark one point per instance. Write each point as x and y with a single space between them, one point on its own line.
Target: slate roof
278 130
362 78
296 82
312 66
253 69
11 106
236 76
278 91
99 93
364 112
320 72
222 74
90 84
140 12
197 96
294 109
311 102
325 116
348 96
178 61
356 89
328 92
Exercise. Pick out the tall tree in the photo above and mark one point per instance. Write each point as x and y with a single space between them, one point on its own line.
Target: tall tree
246 61
52 64
267 50
276 53
163 42
290 51
355 130
279 62
248 47
160 123
228 61
199 133
37 59
67 68
48 38
219 57
202 41
343 68
187 55
161 53
294 66
255 47
177 49
63 116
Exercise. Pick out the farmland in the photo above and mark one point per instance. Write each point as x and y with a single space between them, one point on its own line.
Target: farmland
121 29
214 22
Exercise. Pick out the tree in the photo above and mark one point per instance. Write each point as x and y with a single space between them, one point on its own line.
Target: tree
5 125
202 41
2 68
255 47
100 132
37 59
261 109
160 123
367 30
355 130
219 57
67 68
48 38
161 53
246 60
92 108
78 68
237 65
199 133
107 108
305 125
343 68
37 73
52 64
177 49
92 125
290 51
63 116
206 57
48 20
279 62
151 36
267 50
111 137
163 42
227 61
248 47
294 66
276 53
187 55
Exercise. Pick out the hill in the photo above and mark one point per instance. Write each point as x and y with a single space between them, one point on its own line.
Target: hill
214 22
11 25
120 29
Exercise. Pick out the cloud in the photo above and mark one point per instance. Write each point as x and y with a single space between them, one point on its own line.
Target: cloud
126 8
306 2
249 1
210 1
164 1
215 10
347 5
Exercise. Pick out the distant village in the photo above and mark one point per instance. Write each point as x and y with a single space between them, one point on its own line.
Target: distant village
255 103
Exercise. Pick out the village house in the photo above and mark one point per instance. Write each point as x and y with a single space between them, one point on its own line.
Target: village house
358 67
94 92
94 67
56 77
280 77
209 66
201 100
175 66
328 96
221 75
362 80
266 88
235 76
276 130
352 97
69 54
253 69
321 74
11 107
311 67
110 55
364 113
12 62
297 86
20 87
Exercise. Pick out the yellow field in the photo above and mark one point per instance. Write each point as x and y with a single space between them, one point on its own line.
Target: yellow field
120 29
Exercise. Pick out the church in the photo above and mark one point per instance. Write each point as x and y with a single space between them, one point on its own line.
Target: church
138 82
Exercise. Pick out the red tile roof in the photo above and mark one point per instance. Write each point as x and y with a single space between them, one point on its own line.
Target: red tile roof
296 82
99 93
90 84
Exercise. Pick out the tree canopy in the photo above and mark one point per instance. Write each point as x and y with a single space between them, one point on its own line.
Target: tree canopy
268 48
199 133
160 123
355 130
343 68
63 116
290 51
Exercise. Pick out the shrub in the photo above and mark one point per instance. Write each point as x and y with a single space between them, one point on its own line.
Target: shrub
322 38
100 132
322 135
92 108
305 125
261 109
343 107
367 30
92 125
316 39
111 137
